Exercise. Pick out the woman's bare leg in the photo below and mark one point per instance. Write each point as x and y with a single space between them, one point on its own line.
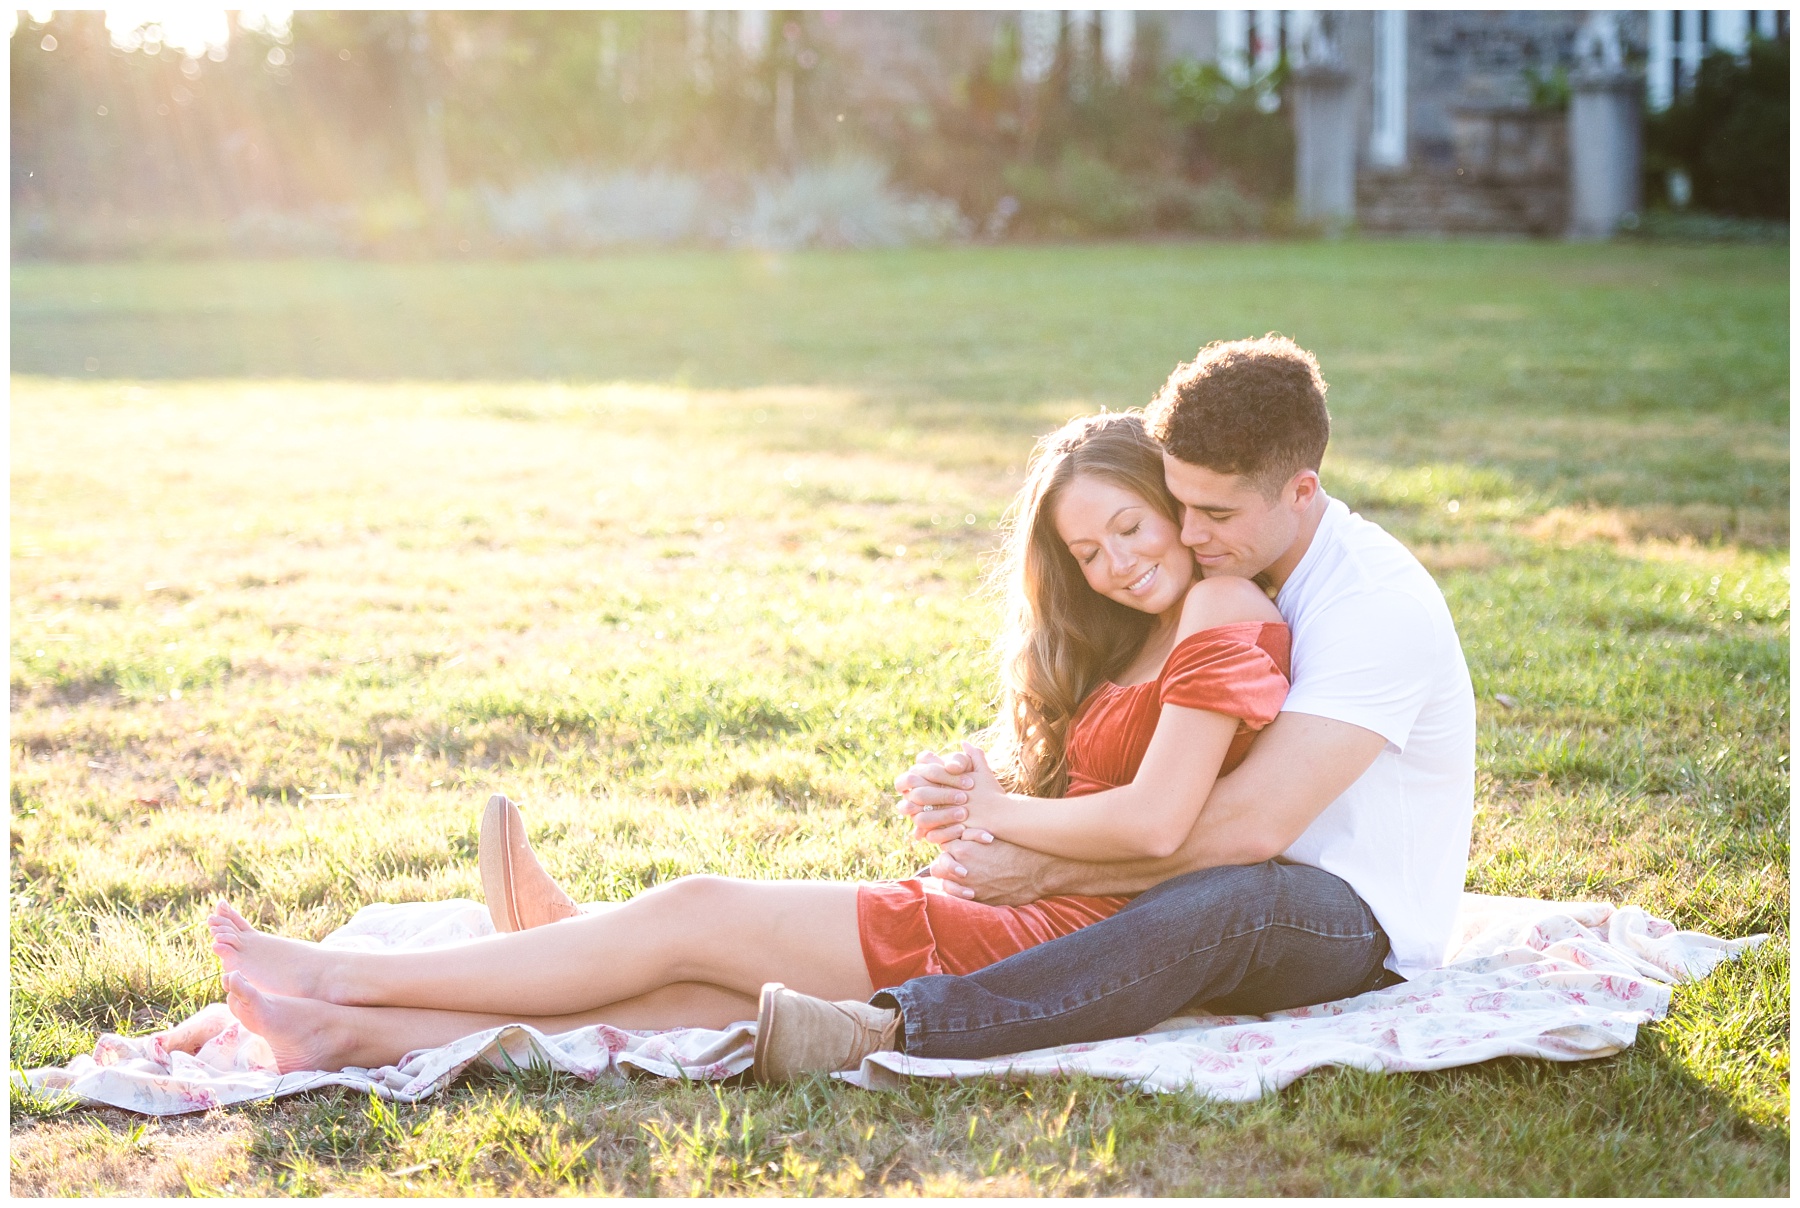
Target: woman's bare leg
310 1034
730 933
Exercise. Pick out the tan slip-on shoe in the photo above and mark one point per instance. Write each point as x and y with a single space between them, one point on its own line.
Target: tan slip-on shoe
799 1034
520 894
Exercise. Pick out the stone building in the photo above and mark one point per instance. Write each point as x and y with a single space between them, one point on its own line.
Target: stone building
1471 121
1408 121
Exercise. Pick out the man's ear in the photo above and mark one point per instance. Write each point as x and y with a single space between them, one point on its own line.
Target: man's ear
1302 489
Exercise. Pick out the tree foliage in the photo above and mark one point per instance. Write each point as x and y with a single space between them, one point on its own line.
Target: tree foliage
399 123
1729 133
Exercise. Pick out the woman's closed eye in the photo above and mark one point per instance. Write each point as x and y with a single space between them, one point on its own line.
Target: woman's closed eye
1088 558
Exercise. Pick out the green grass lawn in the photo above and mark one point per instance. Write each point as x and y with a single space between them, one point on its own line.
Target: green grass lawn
685 550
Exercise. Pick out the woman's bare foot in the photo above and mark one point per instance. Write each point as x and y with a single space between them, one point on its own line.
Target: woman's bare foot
282 966
303 1033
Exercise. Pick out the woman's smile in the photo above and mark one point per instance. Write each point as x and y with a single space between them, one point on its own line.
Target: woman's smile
1127 550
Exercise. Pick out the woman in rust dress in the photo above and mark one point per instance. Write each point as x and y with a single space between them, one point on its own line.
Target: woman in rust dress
1128 687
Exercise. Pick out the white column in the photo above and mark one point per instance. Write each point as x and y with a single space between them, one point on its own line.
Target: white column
699 49
1268 39
1299 23
1234 45
1118 40
608 71
1038 31
1598 45
1660 70
753 33
1730 30
1606 114
1081 32
1324 147
1767 23
1387 136
1690 50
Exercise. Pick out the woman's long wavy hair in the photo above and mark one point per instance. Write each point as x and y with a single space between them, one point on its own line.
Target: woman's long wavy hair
1060 638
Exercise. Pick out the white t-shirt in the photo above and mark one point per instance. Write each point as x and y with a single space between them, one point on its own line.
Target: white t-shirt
1373 645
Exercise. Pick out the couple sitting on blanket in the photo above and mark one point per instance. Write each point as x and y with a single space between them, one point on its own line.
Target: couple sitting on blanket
1171 810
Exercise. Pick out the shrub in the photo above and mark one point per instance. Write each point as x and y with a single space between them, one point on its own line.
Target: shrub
1081 195
1219 209
843 205
262 230
1729 133
1547 89
1691 226
1085 195
578 211
847 204
1237 133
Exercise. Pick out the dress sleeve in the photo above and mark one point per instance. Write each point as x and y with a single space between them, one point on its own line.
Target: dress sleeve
1219 671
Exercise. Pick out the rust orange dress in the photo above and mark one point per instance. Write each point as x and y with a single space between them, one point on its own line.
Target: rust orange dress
910 928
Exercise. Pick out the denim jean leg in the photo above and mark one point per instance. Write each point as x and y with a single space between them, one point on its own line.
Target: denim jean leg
1247 939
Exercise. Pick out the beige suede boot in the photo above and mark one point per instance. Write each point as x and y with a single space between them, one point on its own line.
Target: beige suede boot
520 894
799 1034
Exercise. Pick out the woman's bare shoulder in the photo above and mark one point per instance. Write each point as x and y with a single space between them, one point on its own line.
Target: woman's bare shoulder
1224 601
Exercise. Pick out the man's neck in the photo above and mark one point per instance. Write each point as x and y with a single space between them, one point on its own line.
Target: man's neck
1278 571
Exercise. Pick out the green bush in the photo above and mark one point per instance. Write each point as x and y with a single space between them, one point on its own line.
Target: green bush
1693 226
1081 194
1219 209
1085 195
1730 134
1547 89
1237 133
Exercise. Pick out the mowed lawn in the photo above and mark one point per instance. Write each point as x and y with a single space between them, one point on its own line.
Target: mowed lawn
686 551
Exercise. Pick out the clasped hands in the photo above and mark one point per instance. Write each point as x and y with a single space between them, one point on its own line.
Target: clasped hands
947 796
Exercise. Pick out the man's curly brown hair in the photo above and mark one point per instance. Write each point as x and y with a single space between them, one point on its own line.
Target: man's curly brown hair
1249 407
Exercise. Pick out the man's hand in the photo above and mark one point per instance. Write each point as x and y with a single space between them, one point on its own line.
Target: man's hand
997 873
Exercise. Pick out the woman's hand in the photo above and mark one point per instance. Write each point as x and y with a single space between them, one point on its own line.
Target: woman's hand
936 781
957 797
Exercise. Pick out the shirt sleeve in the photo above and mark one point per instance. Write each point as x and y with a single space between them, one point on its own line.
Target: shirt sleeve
1225 674
1366 661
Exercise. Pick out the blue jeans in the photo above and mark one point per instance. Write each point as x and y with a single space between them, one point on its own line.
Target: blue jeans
1243 940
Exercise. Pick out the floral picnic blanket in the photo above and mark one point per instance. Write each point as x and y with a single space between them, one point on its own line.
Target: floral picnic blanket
1564 981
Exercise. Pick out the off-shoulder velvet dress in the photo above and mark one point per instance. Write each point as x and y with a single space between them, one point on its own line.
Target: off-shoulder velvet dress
910 928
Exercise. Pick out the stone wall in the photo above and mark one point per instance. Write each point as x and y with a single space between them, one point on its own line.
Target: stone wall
1439 203
1462 60
1481 159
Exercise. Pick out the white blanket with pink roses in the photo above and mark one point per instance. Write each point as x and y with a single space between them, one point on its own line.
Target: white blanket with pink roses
1559 980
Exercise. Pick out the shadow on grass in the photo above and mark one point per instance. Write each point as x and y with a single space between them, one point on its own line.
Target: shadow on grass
1636 1124
1639 1123
1622 376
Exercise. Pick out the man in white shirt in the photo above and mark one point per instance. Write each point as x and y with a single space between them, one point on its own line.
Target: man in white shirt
1330 862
